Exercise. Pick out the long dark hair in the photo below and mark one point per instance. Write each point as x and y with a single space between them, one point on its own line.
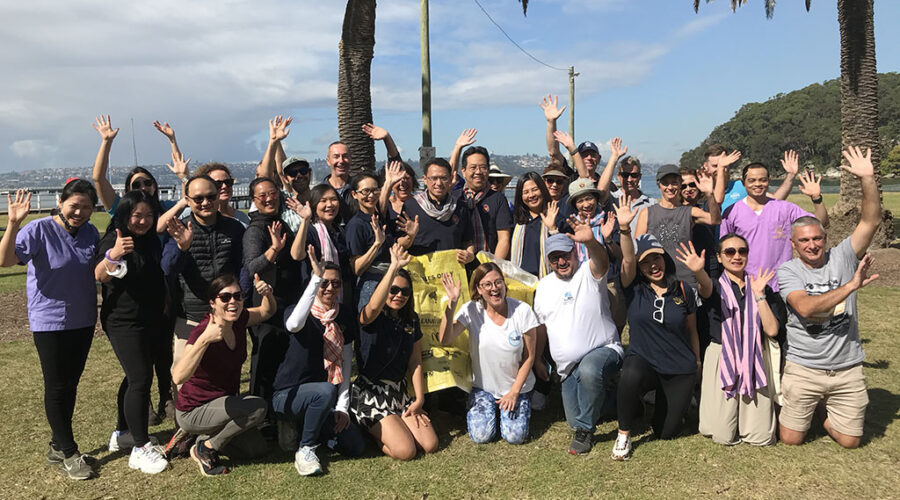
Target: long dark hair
154 198
408 312
127 204
669 274
521 213
315 196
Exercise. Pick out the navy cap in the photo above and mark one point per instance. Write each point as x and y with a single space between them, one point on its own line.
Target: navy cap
588 146
645 245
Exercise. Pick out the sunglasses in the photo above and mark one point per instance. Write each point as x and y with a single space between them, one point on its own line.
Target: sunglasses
553 180
336 284
200 199
294 172
401 290
141 183
625 175
227 296
226 182
730 251
689 185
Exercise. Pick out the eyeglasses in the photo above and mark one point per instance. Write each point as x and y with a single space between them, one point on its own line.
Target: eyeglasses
365 193
688 185
226 297
658 305
481 168
226 182
625 175
489 285
265 196
294 172
730 251
401 290
437 178
200 199
336 284
141 183
554 180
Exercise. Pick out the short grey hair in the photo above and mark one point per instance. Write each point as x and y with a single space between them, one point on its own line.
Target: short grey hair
806 220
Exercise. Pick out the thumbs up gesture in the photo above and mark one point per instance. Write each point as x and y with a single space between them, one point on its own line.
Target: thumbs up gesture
124 246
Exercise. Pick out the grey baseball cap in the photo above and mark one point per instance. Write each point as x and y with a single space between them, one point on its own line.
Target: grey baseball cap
558 243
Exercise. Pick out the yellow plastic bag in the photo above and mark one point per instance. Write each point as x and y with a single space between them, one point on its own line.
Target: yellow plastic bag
520 284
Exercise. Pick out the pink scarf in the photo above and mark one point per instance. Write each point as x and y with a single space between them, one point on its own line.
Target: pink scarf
596 222
334 340
741 369
472 201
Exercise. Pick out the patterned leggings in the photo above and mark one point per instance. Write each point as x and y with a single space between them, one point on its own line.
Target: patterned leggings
481 419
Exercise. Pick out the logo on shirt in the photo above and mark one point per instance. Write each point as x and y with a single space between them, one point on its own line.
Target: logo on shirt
486 208
779 233
409 329
455 219
567 297
514 338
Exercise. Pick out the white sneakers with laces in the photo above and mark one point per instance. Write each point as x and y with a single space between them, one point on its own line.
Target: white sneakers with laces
622 448
306 462
148 459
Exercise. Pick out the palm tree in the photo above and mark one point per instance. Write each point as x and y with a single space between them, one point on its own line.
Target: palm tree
354 100
859 109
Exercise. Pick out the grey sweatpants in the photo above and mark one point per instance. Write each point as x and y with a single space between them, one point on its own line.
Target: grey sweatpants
224 418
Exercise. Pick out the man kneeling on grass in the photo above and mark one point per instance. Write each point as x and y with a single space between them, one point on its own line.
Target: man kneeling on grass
824 354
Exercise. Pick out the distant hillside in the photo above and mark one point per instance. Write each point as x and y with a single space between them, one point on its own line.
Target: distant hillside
806 120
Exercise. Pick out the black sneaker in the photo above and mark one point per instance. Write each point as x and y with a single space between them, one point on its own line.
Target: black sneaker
153 416
179 445
208 460
581 443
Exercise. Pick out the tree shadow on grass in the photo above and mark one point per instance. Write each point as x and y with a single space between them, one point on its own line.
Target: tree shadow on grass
879 364
882 412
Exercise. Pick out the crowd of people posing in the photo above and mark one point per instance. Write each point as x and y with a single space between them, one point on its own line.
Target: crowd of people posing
719 312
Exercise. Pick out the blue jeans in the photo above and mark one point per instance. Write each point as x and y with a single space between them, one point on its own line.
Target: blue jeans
481 419
312 405
586 388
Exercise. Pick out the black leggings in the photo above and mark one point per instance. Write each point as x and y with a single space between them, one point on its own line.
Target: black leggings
162 360
673 396
136 350
63 355
269 345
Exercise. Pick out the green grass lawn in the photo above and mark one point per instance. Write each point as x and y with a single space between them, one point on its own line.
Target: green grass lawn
691 466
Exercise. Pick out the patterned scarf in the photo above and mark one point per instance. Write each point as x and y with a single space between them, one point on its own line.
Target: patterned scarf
472 201
442 214
596 221
334 340
518 248
329 252
741 369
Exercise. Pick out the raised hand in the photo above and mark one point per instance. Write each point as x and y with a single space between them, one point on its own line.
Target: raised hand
183 235
451 287
687 255
724 161
565 139
860 165
624 212
861 278
378 229
791 162
165 129
608 226
179 165
102 125
374 132
705 183
214 332
262 288
19 208
810 185
407 225
278 128
392 174
278 236
550 105
124 246
758 282
549 215
582 230
318 266
301 209
399 256
466 138
618 149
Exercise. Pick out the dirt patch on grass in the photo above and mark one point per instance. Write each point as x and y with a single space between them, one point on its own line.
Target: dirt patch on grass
14 317
887 265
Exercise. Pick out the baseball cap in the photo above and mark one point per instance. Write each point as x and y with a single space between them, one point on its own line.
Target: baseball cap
558 243
579 187
646 244
667 170
588 146
294 161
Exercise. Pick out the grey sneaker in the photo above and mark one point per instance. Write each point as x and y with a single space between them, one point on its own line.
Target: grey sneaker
306 462
54 456
75 467
581 443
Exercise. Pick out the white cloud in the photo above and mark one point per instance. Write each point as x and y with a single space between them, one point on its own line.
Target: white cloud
33 148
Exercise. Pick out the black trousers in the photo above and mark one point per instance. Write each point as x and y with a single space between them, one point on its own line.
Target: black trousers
63 355
269 345
673 396
137 351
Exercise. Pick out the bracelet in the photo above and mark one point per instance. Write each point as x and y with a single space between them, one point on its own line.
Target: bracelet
818 200
760 299
114 261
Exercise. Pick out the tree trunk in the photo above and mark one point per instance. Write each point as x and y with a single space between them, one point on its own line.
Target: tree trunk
357 47
859 115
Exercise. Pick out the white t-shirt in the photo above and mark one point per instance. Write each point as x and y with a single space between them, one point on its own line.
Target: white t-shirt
576 314
497 351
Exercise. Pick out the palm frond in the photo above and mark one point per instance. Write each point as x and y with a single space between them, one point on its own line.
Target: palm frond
807 5
770 8
524 7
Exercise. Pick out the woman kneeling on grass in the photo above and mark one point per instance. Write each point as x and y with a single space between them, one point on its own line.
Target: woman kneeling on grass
502 346
210 369
134 302
62 304
389 347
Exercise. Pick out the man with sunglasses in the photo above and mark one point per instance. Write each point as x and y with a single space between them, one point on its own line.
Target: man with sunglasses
630 181
221 177
573 305
204 245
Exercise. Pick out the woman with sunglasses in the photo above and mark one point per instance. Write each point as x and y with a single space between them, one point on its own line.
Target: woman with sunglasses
209 403
312 384
135 299
736 389
663 352
389 350
62 304
502 344
536 217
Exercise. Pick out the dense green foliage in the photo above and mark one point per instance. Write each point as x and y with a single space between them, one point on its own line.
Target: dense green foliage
806 120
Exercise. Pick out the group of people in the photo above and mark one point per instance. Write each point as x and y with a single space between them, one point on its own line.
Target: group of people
703 277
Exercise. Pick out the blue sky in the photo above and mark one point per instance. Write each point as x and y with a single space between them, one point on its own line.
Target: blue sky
652 72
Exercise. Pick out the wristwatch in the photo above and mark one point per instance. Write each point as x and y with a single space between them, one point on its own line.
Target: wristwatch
818 200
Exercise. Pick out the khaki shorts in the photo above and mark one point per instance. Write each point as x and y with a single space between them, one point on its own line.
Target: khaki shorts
844 392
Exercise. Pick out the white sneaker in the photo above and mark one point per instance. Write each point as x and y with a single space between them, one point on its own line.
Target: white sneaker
538 401
622 448
114 439
288 437
148 459
306 462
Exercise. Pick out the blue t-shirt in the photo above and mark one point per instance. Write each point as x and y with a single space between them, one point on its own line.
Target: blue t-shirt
657 327
385 346
734 191
436 235
360 237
